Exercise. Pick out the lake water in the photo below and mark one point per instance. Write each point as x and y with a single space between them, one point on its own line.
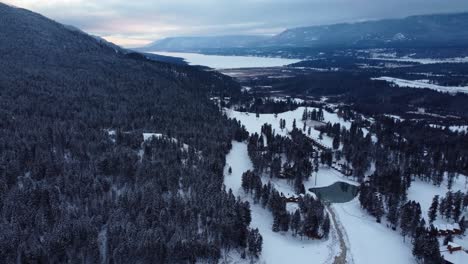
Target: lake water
339 192
229 62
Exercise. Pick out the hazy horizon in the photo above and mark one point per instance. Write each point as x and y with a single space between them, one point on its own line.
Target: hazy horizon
134 24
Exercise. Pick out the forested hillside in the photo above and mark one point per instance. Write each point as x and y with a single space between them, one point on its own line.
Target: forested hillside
78 182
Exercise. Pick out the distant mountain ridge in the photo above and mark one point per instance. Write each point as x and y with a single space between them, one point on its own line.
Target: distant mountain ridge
439 30
197 43
425 30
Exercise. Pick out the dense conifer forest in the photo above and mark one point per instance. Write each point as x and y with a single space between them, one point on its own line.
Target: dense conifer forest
78 182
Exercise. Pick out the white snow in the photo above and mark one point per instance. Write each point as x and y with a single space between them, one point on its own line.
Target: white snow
277 247
254 124
424 192
229 62
459 128
239 161
370 241
148 136
284 99
393 57
326 177
456 257
423 84
396 117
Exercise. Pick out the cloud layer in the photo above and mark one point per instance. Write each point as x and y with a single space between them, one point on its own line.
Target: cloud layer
137 22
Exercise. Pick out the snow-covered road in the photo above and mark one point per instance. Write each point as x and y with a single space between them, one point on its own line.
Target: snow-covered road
345 256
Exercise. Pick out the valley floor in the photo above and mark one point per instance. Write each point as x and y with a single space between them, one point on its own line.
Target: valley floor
355 236
353 230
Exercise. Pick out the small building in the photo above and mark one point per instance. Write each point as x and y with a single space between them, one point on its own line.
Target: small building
292 199
448 229
454 254
452 247
456 229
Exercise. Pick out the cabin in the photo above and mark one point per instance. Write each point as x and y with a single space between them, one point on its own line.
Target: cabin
452 247
291 199
319 145
343 169
448 229
454 254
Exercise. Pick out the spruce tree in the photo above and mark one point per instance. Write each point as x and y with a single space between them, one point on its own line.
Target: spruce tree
433 209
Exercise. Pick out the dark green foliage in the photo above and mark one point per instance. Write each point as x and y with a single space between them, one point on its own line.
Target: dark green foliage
70 191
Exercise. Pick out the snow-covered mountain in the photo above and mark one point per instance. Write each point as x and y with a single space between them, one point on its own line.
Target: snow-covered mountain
414 31
441 30
196 43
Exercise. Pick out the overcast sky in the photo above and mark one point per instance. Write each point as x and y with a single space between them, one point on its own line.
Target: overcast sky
137 22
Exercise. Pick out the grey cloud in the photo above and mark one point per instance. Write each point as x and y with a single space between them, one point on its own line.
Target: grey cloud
148 19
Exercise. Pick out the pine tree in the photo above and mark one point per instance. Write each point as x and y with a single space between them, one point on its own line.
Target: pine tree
392 215
246 181
255 241
448 205
433 209
406 219
296 222
276 223
336 142
462 225
457 205
378 210
448 239
418 242
326 226
305 115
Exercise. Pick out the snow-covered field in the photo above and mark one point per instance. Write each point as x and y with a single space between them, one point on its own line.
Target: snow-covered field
254 124
423 192
369 241
366 241
423 84
393 57
459 128
277 247
229 62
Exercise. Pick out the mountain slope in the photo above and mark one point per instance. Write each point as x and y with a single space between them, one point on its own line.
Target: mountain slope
195 43
428 30
443 30
77 182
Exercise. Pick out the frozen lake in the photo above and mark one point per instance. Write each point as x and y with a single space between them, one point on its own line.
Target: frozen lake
228 62
339 192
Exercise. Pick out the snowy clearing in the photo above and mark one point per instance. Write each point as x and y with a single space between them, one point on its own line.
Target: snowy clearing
393 57
366 241
458 128
277 247
254 125
326 177
370 241
422 84
423 192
